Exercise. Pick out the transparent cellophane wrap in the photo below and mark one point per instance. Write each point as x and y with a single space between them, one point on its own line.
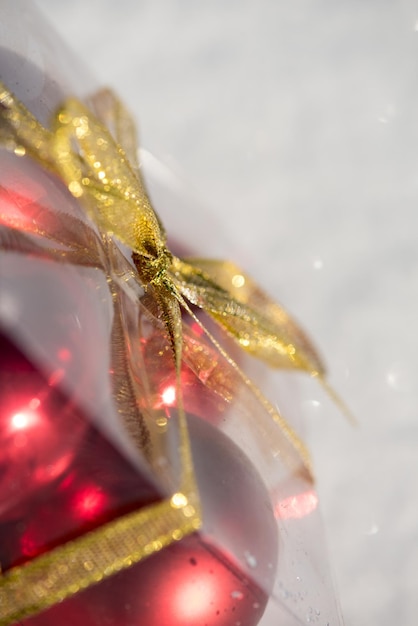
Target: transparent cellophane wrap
91 433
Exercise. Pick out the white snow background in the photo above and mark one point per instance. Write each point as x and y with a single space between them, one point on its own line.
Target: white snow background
295 124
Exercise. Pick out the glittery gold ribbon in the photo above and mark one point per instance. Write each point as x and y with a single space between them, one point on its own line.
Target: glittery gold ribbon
103 173
78 564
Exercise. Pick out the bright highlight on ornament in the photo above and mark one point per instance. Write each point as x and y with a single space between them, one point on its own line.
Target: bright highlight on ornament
64 355
26 418
23 420
168 396
297 507
89 502
193 597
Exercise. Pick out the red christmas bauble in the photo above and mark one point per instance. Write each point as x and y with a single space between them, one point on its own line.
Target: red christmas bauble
34 414
202 580
99 486
205 381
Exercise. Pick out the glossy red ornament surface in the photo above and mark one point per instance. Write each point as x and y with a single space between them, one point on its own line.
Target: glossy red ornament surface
34 414
187 584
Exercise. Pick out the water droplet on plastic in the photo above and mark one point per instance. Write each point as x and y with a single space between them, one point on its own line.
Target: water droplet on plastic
312 407
237 595
250 559
398 377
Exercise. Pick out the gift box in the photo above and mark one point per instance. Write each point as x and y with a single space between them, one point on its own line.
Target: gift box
146 477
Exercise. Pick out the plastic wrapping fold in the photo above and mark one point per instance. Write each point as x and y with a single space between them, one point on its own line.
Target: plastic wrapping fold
104 518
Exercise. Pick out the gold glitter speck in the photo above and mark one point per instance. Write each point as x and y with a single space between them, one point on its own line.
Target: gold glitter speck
75 188
179 500
238 281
